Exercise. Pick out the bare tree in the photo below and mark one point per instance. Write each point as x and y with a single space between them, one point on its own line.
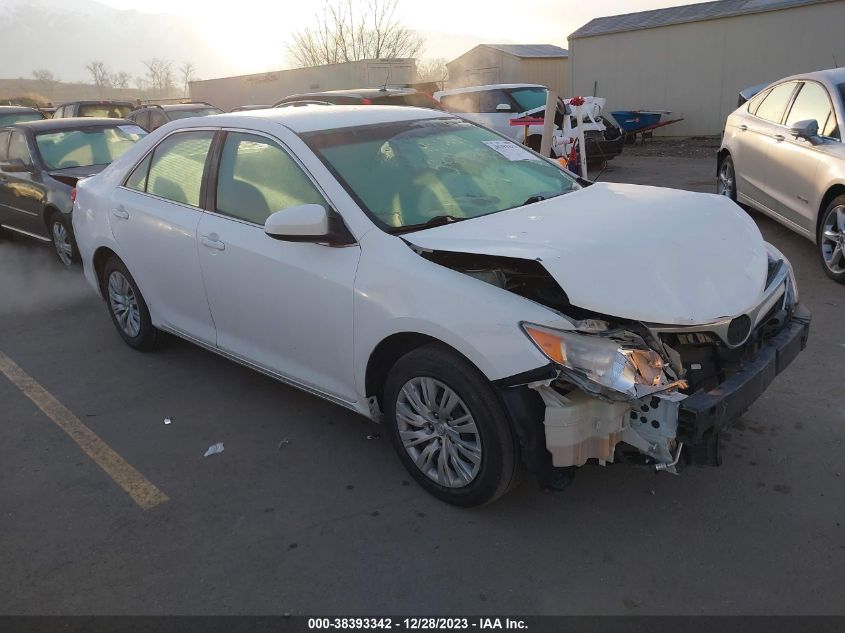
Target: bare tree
101 76
186 74
349 31
433 70
121 79
46 79
159 76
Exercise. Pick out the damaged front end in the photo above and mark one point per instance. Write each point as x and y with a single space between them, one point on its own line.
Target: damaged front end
623 389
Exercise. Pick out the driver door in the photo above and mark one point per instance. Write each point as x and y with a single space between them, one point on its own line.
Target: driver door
285 307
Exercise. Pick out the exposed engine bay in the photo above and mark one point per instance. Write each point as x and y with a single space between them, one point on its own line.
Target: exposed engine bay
619 384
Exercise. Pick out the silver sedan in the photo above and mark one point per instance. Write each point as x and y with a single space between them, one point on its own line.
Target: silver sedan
782 154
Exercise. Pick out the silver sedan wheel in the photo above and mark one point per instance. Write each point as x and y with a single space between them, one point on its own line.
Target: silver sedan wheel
61 240
833 240
725 183
439 432
124 304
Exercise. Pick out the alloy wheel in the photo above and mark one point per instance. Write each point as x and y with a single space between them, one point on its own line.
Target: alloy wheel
725 184
833 240
439 432
124 304
61 240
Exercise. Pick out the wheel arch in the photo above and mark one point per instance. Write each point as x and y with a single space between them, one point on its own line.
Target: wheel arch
720 157
101 256
50 209
389 350
833 192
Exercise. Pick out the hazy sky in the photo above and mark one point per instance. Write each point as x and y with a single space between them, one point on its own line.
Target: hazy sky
252 30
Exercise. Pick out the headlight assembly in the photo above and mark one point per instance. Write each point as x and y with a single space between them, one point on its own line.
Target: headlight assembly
602 360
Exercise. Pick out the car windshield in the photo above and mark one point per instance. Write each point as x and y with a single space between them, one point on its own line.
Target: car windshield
19 117
105 110
415 173
84 147
185 114
529 98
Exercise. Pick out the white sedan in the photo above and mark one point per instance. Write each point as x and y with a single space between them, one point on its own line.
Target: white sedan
491 310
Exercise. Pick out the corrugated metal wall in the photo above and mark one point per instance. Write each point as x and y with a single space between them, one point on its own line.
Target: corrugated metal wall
697 69
267 88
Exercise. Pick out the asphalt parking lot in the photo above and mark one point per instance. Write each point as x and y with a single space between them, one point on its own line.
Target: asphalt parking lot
308 510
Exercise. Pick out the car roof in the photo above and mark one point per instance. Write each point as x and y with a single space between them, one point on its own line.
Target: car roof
457 91
185 106
312 118
70 123
97 102
363 93
833 76
16 109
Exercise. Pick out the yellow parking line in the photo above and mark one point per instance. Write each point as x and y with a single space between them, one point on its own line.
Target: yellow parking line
142 491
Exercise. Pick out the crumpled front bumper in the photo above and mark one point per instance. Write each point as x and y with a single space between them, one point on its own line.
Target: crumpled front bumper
703 413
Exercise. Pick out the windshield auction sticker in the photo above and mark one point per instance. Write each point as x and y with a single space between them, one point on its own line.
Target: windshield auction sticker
510 150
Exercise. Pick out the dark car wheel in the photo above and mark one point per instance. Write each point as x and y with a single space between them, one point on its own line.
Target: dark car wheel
726 178
127 307
449 427
831 239
63 240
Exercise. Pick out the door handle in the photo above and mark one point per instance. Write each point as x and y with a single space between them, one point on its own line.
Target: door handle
210 242
743 127
780 137
121 213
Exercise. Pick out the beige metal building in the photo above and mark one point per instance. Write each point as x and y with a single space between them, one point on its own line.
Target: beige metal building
268 88
511 63
694 59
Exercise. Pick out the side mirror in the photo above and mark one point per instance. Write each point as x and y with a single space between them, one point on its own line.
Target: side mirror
807 129
308 223
503 107
16 165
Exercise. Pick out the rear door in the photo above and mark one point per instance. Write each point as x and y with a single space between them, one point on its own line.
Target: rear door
154 217
759 133
796 160
283 306
23 191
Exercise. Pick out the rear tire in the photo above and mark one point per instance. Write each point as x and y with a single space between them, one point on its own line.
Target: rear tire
449 427
127 307
64 243
831 239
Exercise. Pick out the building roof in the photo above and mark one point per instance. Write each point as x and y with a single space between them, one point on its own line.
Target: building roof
683 14
530 50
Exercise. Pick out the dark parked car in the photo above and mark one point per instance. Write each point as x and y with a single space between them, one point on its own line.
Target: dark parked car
154 116
40 163
104 108
365 96
16 114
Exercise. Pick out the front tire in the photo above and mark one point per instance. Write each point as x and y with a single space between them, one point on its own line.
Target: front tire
127 307
63 240
449 427
831 239
726 178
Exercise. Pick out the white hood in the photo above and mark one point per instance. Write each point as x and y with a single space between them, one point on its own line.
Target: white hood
643 253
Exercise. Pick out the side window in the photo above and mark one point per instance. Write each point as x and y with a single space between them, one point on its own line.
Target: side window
813 103
18 149
489 99
756 100
177 167
462 102
143 119
157 119
138 178
773 105
258 178
58 114
4 146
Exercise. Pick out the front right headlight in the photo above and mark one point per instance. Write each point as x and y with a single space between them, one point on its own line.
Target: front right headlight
600 359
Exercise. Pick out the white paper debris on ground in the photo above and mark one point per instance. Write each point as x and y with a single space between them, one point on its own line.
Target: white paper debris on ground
374 436
167 420
214 449
284 442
